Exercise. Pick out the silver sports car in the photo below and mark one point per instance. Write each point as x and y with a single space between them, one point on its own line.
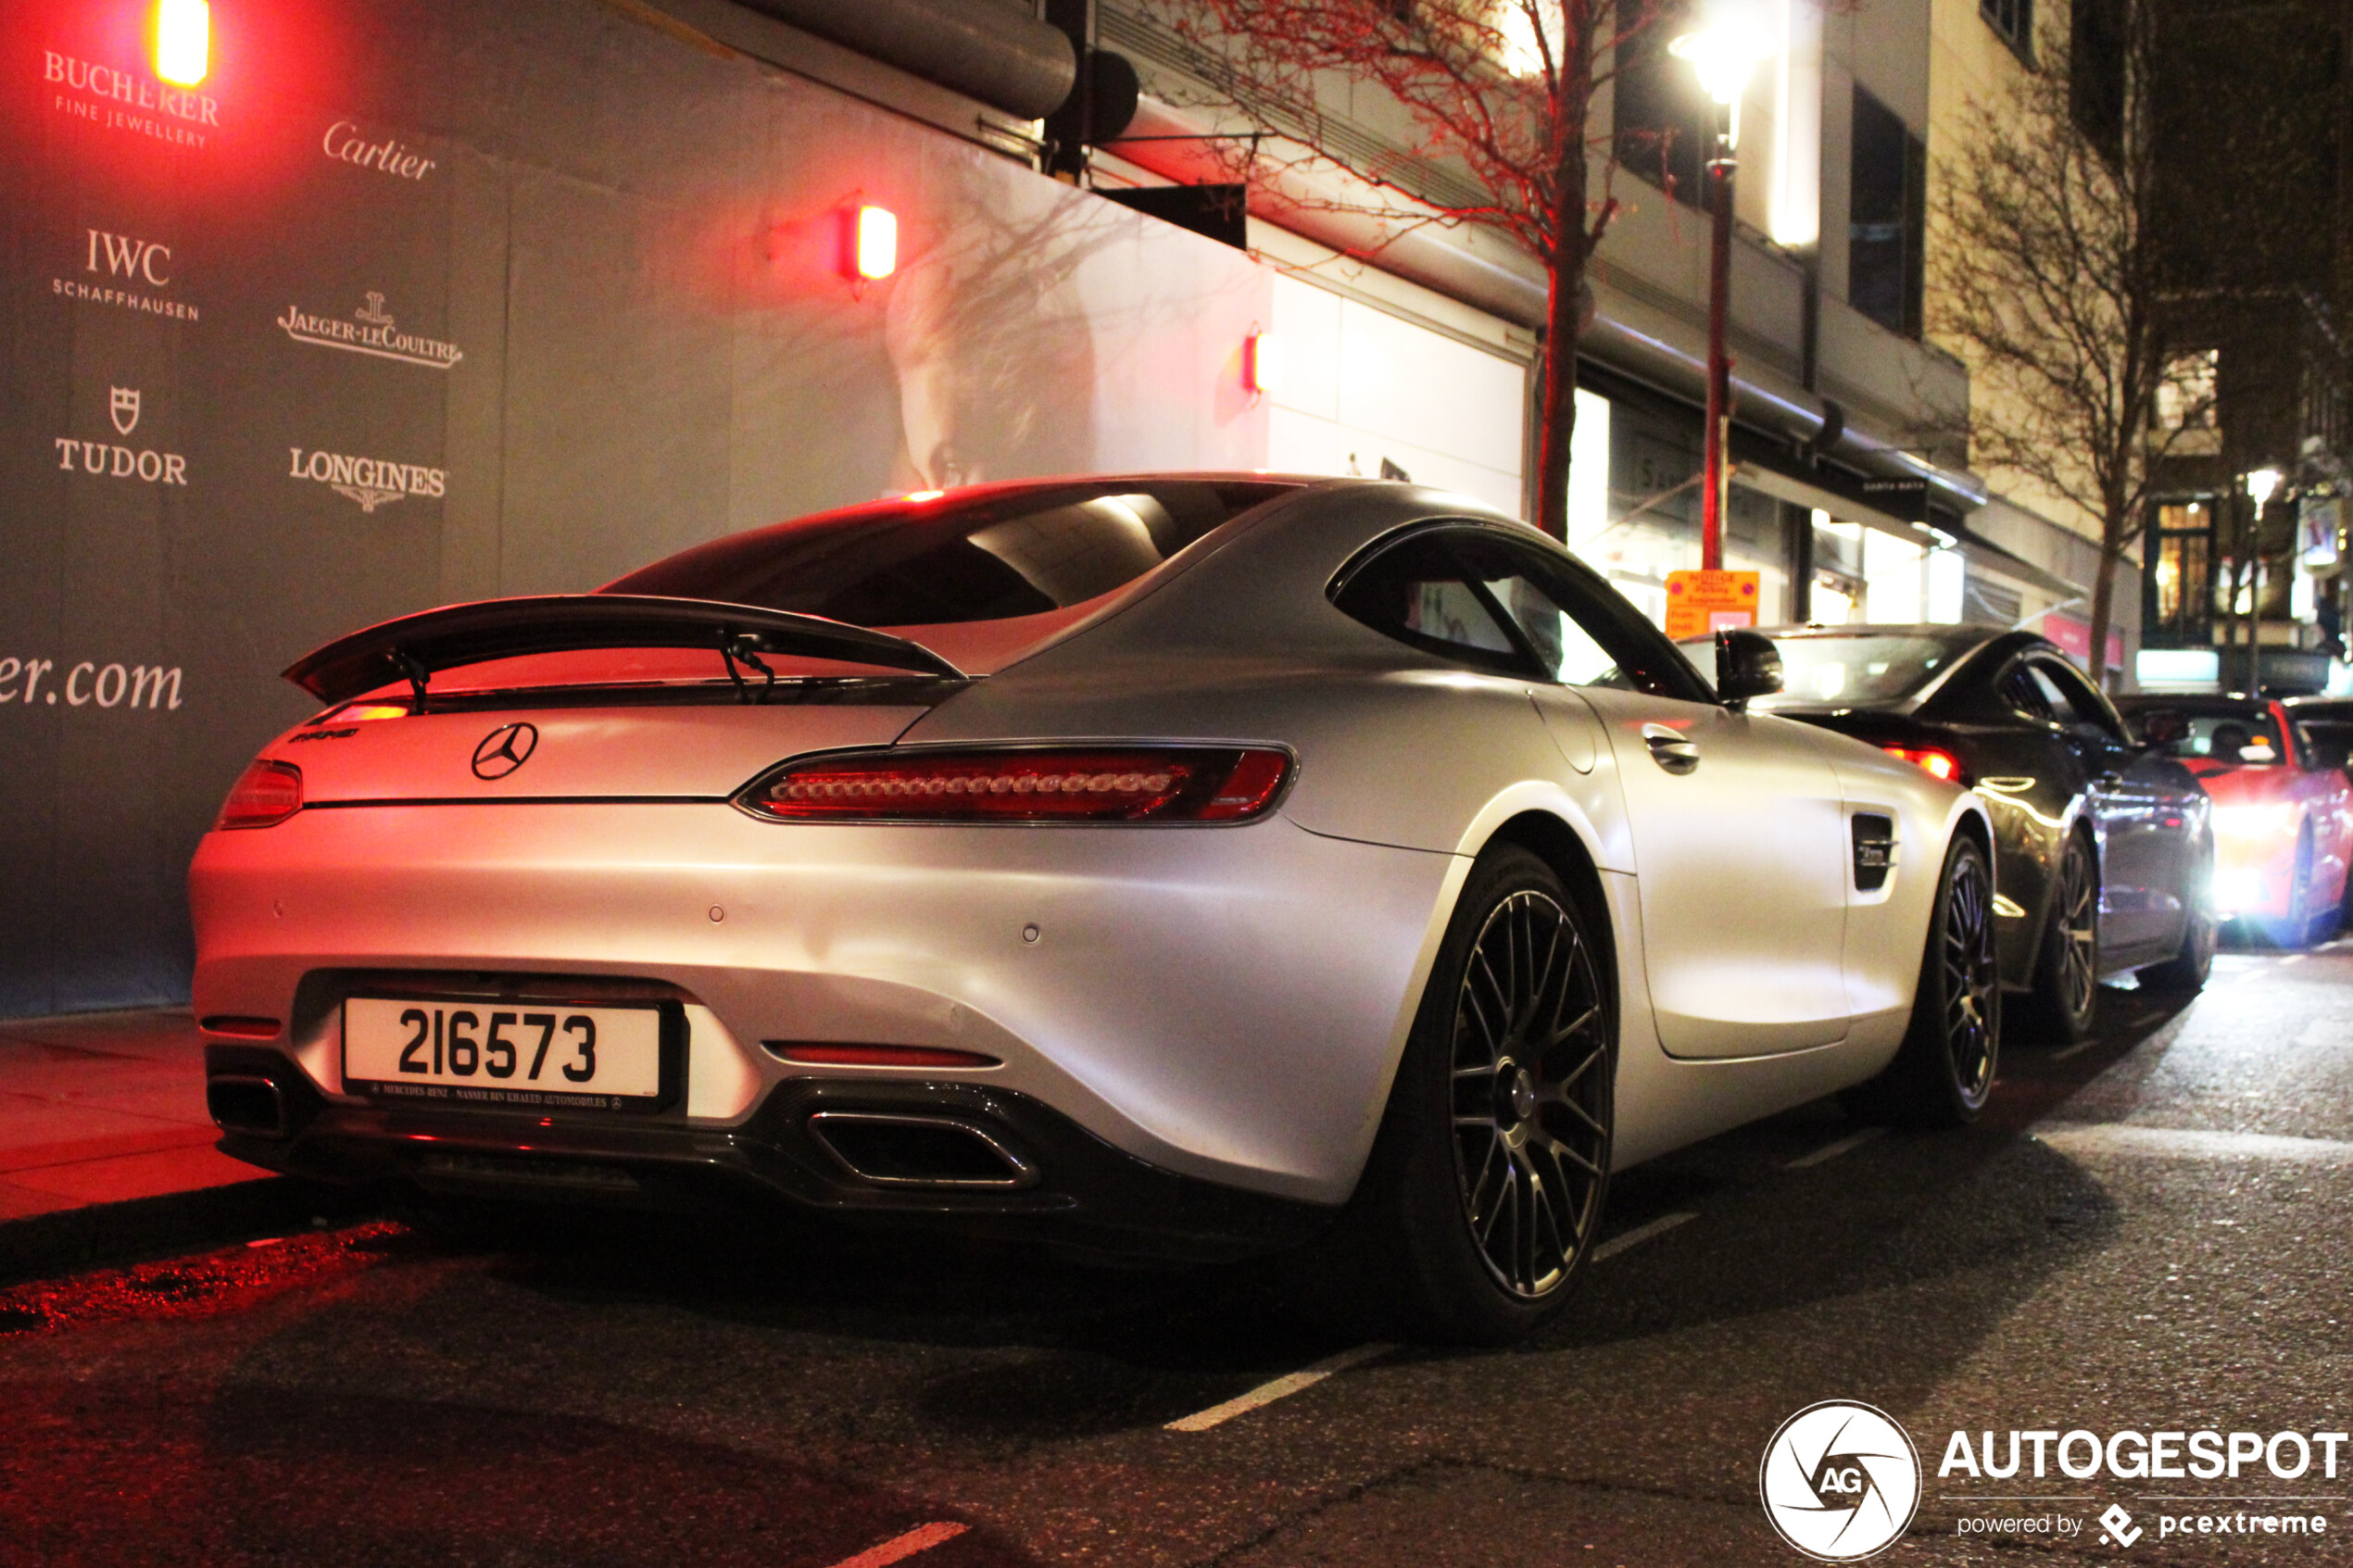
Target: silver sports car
1195 864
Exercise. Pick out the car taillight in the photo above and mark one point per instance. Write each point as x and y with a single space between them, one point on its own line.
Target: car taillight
1929 760
268 793
1027 784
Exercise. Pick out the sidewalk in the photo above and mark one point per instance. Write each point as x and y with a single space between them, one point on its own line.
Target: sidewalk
104 1107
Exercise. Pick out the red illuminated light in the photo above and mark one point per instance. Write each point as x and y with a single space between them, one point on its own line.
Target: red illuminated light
874 248
1932 762
268 793
363 712
815 1055
1262 362
183 41
1125 784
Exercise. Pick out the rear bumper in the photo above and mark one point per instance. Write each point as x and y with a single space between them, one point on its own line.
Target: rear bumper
1225 1004
1062 1184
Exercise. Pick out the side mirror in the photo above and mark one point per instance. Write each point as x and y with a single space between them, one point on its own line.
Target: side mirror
2163 727
1747 665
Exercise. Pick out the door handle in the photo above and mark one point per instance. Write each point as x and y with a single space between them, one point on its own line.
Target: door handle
1670 749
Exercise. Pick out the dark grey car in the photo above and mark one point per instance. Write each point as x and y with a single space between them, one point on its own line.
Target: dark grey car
2105 852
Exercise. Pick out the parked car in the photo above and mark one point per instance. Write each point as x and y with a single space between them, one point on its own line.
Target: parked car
2328 719
2105 849
2283 808
1201 865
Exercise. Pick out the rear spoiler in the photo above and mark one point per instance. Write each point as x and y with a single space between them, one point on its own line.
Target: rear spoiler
416 646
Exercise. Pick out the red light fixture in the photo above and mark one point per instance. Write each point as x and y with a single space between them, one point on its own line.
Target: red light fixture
1933 761
268 794
183 41
874 244
1263 363
1027 784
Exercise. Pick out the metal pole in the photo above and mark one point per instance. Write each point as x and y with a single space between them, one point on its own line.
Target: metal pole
1720 169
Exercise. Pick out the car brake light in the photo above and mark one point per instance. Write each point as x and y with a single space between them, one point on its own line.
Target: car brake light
360 712
1027 784
1929 760
267 794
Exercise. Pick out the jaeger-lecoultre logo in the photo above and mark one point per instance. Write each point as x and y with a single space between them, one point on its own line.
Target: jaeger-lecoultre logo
370 330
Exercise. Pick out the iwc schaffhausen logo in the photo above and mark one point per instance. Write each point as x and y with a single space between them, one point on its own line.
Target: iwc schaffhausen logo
504 750
1840 1481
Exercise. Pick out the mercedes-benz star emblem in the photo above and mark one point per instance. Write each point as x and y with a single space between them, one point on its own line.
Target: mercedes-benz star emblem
504 750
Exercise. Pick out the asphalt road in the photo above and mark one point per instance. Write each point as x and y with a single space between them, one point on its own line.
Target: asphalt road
2148 1234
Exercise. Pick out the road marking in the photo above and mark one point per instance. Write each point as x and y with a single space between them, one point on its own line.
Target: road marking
923 1538
2184 1143
1638 1235
1830 1152
2292 958
1281 1389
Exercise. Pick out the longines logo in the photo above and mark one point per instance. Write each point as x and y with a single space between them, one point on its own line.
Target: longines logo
1840 1481
124 266
344 142
370 330
106 459
132 101
371 482
504 750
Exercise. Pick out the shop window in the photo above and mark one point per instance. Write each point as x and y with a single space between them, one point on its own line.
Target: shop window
1887 218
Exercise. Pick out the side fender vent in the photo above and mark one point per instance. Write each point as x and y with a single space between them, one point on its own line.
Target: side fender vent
1874 851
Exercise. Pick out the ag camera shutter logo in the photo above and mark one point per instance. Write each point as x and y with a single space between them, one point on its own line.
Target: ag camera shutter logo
1840 1481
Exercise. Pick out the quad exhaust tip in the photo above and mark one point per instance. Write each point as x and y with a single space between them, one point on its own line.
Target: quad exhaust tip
898 1150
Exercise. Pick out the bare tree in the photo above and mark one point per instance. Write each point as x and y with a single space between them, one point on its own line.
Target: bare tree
2045 272
1501 90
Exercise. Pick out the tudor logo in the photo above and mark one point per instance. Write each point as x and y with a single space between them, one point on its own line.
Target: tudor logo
504 750
1840 1481
122 407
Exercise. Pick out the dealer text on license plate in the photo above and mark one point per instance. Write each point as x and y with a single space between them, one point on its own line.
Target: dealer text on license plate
499 1052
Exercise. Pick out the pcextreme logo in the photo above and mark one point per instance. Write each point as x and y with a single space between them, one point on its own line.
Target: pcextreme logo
1840 1481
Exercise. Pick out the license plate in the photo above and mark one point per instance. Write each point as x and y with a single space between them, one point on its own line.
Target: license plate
497 1052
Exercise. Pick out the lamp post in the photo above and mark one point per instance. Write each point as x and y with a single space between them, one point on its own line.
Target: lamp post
1725 49
2261 485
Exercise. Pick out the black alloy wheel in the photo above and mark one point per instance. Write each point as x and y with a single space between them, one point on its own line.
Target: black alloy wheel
1943 1073
1488 1180
2067 990
1531 1106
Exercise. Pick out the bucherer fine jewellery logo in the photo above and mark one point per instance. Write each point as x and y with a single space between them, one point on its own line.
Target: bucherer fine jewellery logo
1840 1481
504 750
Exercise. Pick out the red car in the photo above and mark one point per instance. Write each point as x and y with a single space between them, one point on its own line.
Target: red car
2283 808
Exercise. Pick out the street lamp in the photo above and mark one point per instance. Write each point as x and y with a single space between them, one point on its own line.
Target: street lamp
2261 485
1726 48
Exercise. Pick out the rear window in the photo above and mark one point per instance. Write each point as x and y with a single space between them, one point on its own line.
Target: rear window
2241 736
993 555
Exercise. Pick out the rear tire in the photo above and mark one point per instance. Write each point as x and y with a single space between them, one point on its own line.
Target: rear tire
1943 1073
1486 1185
2185 973
2067 973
